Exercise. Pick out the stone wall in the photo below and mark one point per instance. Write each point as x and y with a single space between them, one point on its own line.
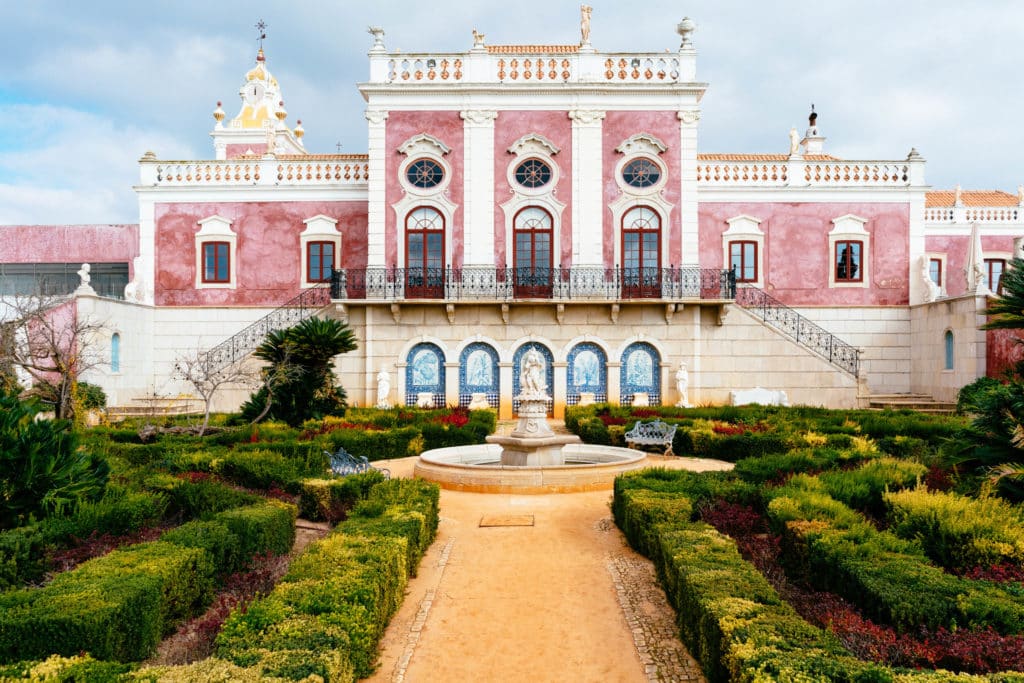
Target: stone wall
929 323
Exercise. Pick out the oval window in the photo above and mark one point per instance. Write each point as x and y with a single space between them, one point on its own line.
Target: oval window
424 174
641 173
533 173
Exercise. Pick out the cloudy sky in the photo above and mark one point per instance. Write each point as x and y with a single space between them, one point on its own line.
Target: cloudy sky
87 87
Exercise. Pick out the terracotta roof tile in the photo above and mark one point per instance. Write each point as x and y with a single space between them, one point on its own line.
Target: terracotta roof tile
971 198
533 49
323 157
763 157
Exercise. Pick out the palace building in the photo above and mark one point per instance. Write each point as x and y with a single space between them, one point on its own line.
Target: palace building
548 197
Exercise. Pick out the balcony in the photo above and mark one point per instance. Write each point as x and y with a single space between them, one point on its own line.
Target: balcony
575 284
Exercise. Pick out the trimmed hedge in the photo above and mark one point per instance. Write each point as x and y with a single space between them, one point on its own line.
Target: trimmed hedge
863 488
730 617
120 605
377 445
331 499
114 607
340 594
888 577
959 532
21 556
258 469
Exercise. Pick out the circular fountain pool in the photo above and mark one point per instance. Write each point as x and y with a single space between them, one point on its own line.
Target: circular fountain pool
479 468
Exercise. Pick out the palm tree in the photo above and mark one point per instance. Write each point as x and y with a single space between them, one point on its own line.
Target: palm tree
299 383
1006 312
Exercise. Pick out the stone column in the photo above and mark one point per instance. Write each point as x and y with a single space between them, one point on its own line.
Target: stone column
505 391
614 377
587 188
451 384
478 171
558 391
688 216
376 193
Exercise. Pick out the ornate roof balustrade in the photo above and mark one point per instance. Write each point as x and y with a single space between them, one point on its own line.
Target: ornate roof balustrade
314 170
488 283
777 170
998 215
512 64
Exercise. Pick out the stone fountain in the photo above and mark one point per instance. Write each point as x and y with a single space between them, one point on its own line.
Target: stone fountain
532 458
532 443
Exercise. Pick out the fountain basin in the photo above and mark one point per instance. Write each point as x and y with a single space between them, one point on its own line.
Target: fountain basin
479 468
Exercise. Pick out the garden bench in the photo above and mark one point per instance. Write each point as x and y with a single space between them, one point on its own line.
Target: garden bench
344 463
655 433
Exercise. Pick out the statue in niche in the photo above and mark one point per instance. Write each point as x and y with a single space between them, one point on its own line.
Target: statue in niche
932 290
682 385
585 11
383 389
531 375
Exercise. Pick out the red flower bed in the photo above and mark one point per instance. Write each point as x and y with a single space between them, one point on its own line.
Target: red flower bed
999 573
938 479
645 412
611 420
455 418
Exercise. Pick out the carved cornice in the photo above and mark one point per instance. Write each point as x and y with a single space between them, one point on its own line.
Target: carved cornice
479 117
689 117
586 117
376 116
424 143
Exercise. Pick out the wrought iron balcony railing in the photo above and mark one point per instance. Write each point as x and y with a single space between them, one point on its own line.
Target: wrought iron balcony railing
804 332
476 283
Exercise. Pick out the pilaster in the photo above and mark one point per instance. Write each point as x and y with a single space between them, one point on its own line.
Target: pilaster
614 380
478 171
689 219
376 187
560 380
505 390
587 185
451 384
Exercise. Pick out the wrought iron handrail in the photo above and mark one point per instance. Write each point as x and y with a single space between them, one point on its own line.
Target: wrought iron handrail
804 332
240 345
593 283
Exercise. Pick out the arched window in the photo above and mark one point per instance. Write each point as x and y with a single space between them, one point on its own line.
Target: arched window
115 352
549 372
641 253
587 372
424 374
424 253
641 374
478 373
948 339
532 257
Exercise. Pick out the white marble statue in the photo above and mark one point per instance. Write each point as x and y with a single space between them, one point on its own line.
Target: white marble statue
958 199
682 386
383 389
932 290
531 375
794 142
585 11
478 38
84 287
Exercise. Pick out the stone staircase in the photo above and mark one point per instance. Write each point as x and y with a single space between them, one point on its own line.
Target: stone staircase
922 403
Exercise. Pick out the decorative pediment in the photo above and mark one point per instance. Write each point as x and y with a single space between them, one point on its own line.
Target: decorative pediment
642 143
321 225
214 226
849 225
533 143
424 144
744 225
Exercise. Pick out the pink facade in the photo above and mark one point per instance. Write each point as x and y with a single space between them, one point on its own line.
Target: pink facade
797 258
446 126
69 244
269 253
955 248
619 126
1003 350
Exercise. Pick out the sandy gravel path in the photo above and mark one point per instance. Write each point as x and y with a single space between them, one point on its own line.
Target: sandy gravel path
534 588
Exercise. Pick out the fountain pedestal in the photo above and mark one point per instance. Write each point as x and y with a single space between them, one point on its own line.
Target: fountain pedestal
532 443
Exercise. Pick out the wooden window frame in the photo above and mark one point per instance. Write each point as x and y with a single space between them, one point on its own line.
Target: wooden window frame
216 279
310 276
743 261
839 244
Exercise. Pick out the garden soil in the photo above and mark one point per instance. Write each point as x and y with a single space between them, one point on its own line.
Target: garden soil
533 588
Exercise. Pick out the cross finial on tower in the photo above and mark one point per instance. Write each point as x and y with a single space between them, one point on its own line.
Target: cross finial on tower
338 145
261 26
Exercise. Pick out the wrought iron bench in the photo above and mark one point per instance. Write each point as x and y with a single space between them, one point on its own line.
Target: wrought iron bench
655 433
344 463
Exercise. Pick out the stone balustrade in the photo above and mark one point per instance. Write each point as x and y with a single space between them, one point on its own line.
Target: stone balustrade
265 171
997 215
797 171
532 64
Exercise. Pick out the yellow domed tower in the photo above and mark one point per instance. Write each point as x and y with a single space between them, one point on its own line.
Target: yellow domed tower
259 129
